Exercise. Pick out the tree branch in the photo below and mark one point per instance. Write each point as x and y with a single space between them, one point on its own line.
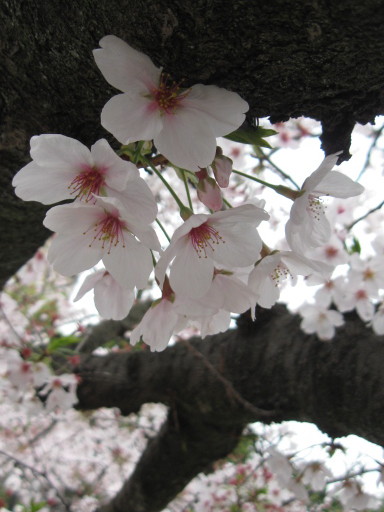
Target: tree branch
271 364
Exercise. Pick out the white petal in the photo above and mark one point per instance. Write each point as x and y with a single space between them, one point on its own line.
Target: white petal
230 294
138 200
130 118
190 275
70 254
118 172
43 184
317 176
248 213
122 66
336 184
186 140
72 218
224 110
111 300
240 246
148 237
219 322
89 283
59 151
129 265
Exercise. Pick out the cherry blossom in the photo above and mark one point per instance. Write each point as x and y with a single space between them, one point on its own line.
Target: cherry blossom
111 300
157 325
274 269
88 233
319 320
316 474
63 168
205 240
154 107
308 227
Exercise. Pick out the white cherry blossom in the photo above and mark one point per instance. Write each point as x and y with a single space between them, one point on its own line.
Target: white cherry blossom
183 123
226 238
319 320
63 168
111 300
308 227
269 273
157 325
88 233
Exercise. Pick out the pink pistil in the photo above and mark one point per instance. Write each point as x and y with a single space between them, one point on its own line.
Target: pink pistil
204 236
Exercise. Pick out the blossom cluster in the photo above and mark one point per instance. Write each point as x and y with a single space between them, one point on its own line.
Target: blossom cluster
215 263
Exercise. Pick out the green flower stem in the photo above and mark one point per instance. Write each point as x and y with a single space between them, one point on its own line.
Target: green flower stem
158 173
163 230
280 189
227 203
187 190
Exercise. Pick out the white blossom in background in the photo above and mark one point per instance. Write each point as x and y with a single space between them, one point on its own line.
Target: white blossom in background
320 320
308 227
270 272
183 123
316 474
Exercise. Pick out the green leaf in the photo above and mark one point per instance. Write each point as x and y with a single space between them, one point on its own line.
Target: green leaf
60 342
253 135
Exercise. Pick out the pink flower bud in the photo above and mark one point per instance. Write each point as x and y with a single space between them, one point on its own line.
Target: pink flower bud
222 168
209 194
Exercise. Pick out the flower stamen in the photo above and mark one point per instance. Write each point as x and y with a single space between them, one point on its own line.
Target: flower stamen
109 231
88 183
204 236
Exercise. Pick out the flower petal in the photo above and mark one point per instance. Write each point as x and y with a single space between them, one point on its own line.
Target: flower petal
89 283
130 118
224 110
130 264
46 185
59 151
122 66
190 275
111 300
70 254
337 184
186 139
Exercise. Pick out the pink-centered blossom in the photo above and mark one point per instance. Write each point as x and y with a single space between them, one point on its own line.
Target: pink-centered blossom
104 231
111 300
183 123
63 168
226 239
308 227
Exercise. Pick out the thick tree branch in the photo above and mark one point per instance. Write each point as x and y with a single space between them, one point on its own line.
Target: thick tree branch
282 373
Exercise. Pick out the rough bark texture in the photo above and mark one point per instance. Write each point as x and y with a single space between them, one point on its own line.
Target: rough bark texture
263 371
287 58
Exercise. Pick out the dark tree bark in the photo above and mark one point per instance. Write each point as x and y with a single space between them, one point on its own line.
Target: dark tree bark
265 371
287 58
